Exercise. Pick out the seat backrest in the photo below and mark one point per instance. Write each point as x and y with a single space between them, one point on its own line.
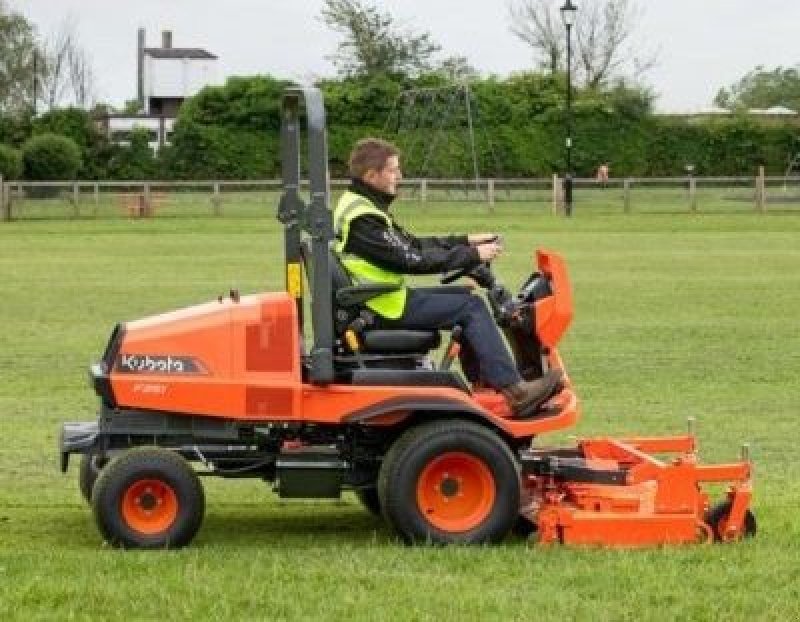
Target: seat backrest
339 276
339 280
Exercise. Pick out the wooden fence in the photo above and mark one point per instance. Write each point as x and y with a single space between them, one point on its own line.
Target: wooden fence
141 199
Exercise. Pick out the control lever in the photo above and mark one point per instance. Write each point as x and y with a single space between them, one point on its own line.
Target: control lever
453 348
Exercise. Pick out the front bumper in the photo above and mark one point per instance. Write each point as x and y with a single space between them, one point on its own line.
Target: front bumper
76 437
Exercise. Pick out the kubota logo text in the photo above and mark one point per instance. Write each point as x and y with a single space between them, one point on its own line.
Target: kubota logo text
158 364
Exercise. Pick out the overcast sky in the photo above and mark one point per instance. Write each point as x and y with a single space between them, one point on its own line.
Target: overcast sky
702 44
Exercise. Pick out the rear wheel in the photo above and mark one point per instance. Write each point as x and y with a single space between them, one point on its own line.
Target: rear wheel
450 482
717 517
148 498
87 474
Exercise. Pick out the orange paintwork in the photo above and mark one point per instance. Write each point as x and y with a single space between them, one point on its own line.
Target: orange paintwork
615 529
248 352
661 503
553 313
731 527
149 506
455 492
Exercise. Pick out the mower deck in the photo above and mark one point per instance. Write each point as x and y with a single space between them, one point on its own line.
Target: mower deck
615 492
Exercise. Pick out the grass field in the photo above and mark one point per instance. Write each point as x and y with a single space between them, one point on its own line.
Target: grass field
676 315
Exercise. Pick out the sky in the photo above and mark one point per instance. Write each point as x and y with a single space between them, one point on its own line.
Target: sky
701 45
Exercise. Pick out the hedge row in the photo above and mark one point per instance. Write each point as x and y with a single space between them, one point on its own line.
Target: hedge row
232 132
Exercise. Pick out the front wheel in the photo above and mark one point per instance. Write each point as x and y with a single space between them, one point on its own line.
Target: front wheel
717 517
449 482
148 498
89 470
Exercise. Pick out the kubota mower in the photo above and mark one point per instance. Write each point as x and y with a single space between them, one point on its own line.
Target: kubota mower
228 388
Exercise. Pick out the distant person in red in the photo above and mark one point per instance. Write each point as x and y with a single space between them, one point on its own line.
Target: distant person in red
602 173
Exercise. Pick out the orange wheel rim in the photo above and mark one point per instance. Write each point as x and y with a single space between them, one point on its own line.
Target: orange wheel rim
149 506
455 492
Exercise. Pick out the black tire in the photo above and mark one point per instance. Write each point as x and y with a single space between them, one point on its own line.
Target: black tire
148 498
370 500
410 466
87 474
524 527
716 515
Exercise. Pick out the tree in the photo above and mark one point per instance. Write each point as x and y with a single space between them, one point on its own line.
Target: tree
18 53
229 131
603 39
68 76
373 44
10 162
252 102
541 28
457 69
72 122
763 88
135 160
132 106
51 157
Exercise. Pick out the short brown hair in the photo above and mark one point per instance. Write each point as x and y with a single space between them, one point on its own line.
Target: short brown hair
370 154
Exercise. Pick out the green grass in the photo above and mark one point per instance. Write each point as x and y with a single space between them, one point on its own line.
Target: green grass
676 316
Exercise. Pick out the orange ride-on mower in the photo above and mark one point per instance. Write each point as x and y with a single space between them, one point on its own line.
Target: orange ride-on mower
228 389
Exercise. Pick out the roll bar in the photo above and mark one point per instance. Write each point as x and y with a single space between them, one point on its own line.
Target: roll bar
314 218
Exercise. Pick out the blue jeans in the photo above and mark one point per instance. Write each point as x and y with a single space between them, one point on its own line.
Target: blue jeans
484 354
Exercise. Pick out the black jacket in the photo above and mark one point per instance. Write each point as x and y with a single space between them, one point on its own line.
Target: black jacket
400 251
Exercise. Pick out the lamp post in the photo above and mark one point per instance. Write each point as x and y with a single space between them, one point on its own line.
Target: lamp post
568 15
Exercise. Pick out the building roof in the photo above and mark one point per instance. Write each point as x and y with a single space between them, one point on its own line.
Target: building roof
775 110
693 112
178 53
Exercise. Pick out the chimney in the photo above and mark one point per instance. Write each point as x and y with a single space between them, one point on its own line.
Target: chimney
166 39
140 44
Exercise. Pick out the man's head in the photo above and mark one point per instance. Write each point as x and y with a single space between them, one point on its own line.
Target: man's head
377 163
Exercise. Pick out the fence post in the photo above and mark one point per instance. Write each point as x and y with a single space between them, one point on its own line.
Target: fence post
761 191
215 200
692 193
626 195
490 193
76 196
423 190
145 206
556 194
3 210
96 191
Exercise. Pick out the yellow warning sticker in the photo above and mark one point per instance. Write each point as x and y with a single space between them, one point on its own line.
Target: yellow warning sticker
294 283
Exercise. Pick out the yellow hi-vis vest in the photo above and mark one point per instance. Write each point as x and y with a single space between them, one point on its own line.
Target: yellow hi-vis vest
361 271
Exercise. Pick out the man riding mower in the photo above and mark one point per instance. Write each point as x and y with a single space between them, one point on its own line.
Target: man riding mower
229 389
374 249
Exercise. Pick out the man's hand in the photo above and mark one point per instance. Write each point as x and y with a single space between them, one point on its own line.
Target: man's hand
476 239
489 251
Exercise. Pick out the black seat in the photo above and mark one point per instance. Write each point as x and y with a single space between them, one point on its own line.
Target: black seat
400 341
348 303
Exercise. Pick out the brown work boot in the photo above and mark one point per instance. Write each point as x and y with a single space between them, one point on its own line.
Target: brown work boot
524 398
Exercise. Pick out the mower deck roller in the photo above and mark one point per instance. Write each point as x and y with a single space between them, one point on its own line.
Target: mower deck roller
228 389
